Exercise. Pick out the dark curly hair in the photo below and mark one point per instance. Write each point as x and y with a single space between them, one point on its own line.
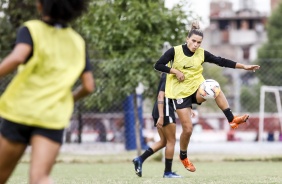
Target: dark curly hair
63 10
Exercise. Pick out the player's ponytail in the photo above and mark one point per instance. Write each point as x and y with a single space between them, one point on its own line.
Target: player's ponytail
195 25
195 29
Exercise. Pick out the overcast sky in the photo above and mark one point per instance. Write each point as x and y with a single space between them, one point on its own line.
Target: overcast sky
202 7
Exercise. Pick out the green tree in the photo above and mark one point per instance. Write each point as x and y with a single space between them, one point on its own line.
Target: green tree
124 39
129 35
269 57
14 13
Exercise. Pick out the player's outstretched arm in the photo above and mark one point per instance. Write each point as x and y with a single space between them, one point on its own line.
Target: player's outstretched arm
86 87
247 67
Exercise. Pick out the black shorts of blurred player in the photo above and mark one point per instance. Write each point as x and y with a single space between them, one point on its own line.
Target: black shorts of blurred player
23 134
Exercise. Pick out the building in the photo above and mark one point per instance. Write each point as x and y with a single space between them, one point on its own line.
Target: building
235 35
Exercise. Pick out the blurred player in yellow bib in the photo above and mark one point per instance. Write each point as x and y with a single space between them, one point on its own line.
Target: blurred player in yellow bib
38 103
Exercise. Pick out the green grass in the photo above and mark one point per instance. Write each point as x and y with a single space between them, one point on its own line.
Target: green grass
118 169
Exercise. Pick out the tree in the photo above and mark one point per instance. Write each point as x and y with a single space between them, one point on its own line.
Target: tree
128 35
269 57
124 40
14 13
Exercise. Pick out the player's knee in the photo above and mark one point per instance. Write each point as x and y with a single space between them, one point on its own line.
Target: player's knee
171 143
187 131
163 143
187 128
171 140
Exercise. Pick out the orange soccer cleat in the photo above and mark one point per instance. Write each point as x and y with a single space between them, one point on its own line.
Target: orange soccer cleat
188 165
238 120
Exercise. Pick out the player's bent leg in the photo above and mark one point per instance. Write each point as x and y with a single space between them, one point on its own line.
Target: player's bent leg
43 157
161 143
138 161
10 153
221 101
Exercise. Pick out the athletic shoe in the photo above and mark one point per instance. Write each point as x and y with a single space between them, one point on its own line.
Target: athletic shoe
137 166
188 165
171 175
238 120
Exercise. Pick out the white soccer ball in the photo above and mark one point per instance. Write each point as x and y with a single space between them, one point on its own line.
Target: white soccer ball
209 89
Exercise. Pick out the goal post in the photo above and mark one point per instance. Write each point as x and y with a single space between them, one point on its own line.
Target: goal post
263 90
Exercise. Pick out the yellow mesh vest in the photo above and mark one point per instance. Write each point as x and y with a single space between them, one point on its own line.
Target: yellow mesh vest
191 67
40 94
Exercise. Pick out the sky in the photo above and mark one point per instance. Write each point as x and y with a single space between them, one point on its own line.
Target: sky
202 7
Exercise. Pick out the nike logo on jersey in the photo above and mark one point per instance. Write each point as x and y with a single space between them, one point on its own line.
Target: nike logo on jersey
186 67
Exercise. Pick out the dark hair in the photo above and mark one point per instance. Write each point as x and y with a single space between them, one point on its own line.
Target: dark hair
63 10
195 29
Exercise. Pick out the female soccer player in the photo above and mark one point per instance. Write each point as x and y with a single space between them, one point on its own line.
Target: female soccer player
184 79
38 103
164 120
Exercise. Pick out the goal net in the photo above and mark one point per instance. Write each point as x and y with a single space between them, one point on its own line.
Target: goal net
263 90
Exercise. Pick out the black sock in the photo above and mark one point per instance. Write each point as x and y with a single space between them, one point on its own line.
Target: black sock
168 165
229 115
183 154
146 154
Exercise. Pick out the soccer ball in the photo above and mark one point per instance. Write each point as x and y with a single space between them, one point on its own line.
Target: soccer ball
209 89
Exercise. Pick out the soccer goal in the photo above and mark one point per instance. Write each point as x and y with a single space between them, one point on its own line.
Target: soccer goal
263 90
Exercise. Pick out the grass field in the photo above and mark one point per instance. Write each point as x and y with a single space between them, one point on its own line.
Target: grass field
78 169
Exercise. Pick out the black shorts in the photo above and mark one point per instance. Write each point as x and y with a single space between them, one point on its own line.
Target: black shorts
23 133
169 113
167 120
182 103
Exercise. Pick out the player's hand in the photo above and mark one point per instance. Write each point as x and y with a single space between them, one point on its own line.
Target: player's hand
180 76
160 122
251 67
